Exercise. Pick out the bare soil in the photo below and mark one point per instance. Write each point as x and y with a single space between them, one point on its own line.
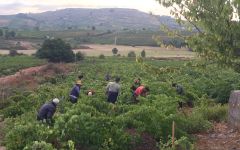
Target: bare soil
97 49
147 142
222 137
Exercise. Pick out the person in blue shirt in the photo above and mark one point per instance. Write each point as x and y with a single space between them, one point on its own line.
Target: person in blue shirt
47 111
75 92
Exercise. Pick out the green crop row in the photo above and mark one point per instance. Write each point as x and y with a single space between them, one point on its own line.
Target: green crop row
10 65
94 124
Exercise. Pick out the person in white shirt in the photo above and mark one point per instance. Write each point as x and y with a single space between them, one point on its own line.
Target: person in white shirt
113 90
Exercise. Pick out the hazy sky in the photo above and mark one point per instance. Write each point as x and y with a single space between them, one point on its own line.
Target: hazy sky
26 6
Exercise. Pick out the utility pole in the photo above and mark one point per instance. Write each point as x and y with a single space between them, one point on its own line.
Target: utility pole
115 43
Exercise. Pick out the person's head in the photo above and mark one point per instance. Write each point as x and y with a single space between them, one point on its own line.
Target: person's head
80 76
55 101
90 93
174 84
79 82
117 79
137 81
145 91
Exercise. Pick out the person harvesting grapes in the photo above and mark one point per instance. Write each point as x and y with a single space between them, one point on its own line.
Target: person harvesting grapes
113 90
140 91
75 92
47 111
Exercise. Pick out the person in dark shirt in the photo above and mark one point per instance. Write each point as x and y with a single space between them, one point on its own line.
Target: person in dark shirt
179 88
75 92
107 77
47 111
180 91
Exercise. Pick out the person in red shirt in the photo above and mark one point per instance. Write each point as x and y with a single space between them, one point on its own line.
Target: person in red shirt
140 91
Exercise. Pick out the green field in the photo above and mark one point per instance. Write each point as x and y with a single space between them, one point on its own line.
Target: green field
10 65
78 37
95 124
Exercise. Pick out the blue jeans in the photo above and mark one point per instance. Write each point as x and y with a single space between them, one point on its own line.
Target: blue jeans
112 97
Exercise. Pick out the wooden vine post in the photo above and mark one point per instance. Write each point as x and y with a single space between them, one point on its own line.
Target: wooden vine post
173 133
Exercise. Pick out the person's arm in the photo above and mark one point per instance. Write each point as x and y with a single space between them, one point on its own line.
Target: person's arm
119 89
78 91
107 88
49 116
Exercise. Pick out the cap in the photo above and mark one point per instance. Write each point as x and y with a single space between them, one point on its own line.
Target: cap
56 100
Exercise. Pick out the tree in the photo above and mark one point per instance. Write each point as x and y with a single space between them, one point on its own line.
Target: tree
131 54
80 56
9 34
114 51
56 50
215 27
101 56
143 54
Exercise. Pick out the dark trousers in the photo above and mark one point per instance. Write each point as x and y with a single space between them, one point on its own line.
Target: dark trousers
73 100
112 97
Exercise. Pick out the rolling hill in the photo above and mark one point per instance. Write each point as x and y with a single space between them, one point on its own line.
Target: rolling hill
80 18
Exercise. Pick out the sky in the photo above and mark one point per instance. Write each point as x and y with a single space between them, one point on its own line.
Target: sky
34 6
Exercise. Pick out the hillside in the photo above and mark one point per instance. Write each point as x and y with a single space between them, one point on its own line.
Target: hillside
79 18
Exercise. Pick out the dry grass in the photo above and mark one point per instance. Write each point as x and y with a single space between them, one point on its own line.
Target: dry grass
96 50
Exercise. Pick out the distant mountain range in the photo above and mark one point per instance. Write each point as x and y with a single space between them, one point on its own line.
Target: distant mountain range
80 18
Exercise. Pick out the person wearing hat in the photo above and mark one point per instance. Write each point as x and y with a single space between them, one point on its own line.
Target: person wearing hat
75 92
112 90
47 111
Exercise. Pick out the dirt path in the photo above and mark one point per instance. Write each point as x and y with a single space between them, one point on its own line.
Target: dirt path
27 71
221 137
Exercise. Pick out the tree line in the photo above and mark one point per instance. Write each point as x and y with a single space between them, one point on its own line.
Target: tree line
5 33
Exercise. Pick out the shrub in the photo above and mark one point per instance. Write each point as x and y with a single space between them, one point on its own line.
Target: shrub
114 51
131 54
216 113
39 145
56 50
101 56
80 56
143 54
196 123
13 53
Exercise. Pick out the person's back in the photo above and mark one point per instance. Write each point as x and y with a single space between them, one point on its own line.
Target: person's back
139 90
113 87
47 110
113 90
179 89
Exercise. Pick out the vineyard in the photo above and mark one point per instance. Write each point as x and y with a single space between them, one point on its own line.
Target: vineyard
10 65
94 124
